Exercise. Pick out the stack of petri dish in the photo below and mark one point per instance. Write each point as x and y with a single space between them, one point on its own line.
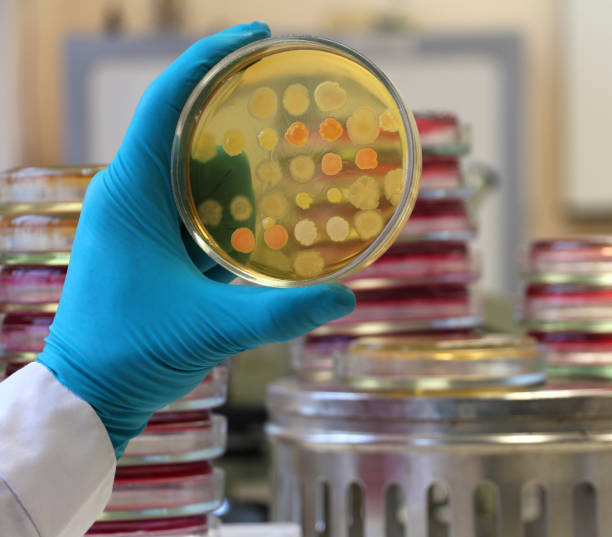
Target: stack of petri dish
421 285
567 304
166 484
39 211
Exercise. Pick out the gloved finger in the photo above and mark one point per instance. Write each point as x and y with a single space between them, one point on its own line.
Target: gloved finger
159 109
270 315
199 258
219 274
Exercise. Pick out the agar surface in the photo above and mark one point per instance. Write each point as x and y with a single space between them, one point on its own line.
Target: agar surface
320 166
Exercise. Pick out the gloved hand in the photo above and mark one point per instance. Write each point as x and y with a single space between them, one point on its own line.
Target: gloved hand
145 314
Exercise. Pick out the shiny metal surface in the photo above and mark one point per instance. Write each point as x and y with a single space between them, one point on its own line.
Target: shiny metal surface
519 464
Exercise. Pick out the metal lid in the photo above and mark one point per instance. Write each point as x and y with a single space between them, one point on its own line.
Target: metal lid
433 364
396 411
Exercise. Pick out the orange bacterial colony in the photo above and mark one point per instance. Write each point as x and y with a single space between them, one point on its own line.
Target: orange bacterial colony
297 163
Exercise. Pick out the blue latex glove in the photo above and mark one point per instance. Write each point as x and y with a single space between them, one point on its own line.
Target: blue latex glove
144 314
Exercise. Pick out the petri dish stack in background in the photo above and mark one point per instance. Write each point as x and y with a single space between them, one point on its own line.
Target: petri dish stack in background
39 211
166 483
567 304
421 285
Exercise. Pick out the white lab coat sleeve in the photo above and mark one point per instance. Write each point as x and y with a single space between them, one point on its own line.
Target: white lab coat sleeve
57 463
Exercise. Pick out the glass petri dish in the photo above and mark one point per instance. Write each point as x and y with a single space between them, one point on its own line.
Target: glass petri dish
212 392
200 489
589 326
438 129
436 216
397 327
46 259
49 184
418 263
37 232
410 304
177 526
571 256
487 362
295 162
31 284
180 443
441 172
10 362
24 331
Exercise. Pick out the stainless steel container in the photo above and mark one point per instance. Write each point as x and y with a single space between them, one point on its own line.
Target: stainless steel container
349 463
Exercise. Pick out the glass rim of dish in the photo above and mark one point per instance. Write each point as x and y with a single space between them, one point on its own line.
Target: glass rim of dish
204 91
559 278
35 259
479 347
55 171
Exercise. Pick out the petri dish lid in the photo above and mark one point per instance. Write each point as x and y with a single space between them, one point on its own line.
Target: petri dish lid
433 364
52 259
212 392
319 158
573 326
571 255
182 443
603 279
384 328
49 307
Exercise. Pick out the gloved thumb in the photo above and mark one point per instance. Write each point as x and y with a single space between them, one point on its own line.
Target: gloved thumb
275 315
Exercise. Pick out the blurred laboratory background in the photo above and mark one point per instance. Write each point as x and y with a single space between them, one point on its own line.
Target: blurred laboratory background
528 80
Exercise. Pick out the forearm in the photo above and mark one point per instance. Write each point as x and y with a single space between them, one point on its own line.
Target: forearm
56 461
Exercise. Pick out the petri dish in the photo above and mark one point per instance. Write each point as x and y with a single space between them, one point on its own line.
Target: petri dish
418 263
441 172
487 362
295 162
212 392
188 525
588 326
180 443
438 216
372 328
410 304
571 256
31 284
37 232
200 488
438 129
46 259
24 331
48 185
10 362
